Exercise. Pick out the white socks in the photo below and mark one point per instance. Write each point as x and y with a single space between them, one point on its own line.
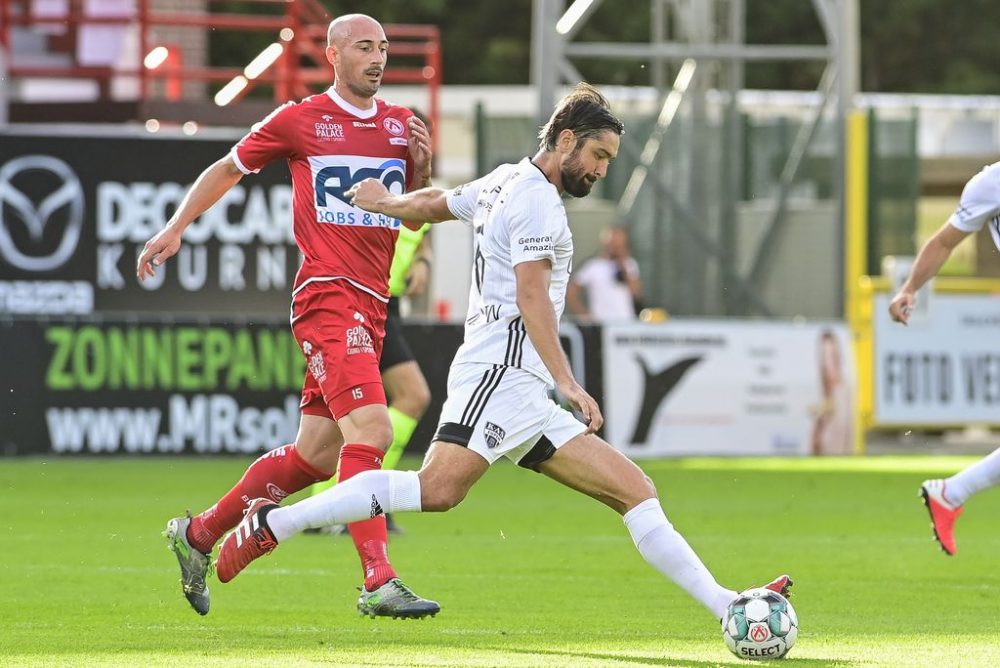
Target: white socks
984 473
660 544
372 493
362 497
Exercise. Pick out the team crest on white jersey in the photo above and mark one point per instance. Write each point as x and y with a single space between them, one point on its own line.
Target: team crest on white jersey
493 434
359 341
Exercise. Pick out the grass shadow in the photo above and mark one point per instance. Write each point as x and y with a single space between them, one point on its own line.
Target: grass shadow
672 662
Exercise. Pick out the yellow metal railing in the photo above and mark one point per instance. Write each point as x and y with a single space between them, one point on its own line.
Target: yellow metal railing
857 301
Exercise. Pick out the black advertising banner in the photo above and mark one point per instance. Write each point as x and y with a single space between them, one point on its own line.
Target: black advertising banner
123 386
75 387
199 359
75 210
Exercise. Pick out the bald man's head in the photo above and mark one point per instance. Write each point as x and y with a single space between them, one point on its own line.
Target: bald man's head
358 49
344 27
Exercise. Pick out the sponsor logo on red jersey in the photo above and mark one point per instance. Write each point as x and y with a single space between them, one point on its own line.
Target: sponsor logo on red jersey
359 341
334 175
329 131
314 362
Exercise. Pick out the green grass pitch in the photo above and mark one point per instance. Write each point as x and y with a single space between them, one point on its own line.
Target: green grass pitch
528 573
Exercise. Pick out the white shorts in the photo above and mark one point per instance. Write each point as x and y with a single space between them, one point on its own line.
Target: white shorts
499 411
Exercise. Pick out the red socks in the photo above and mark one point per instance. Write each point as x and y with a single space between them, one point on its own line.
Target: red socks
282 472
370 535
275 475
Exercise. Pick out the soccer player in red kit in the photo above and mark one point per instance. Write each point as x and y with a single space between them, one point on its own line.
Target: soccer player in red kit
330 142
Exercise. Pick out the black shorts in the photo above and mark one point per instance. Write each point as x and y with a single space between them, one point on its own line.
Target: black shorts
395 349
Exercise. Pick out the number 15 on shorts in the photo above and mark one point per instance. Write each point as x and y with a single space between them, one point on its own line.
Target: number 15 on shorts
356 393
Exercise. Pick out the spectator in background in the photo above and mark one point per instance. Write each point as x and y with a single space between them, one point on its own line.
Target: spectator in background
611 281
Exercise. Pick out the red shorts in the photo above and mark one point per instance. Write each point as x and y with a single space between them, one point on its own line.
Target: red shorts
339 329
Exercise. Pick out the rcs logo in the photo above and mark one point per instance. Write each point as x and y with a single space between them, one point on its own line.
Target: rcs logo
334 175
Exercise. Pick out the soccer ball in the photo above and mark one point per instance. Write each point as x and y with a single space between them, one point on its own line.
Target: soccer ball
760 625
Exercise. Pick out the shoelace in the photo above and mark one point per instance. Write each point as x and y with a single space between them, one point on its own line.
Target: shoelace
264 540
405 591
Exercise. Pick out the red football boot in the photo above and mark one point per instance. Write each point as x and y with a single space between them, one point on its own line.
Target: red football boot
781 585
251 539
943 514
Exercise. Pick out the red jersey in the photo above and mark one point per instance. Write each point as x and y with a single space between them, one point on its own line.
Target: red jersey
330 145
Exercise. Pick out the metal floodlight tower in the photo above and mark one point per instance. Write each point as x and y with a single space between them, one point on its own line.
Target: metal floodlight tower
713 33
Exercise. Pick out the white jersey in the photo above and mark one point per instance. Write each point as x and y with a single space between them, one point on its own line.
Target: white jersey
518 216
980 203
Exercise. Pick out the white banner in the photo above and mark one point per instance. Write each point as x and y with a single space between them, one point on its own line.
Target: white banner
943 368
728 388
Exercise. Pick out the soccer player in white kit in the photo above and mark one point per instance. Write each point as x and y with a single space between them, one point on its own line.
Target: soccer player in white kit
978 206
498 403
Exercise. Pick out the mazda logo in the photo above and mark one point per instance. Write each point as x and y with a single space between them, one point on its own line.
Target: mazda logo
35 213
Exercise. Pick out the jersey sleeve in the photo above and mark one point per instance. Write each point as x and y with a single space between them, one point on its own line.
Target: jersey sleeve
267 141
462 200
980 201
534 223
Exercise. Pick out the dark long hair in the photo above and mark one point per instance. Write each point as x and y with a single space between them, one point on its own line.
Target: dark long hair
584 111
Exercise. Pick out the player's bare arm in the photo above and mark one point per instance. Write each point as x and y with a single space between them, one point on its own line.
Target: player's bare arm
539 316
212 184
428 205
420 271
929 261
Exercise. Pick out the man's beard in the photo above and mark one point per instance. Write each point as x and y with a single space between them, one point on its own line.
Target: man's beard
574 177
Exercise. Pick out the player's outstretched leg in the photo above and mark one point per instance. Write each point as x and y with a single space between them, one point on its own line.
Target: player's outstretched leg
335 529
349 501
943 513
403 426
194 565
